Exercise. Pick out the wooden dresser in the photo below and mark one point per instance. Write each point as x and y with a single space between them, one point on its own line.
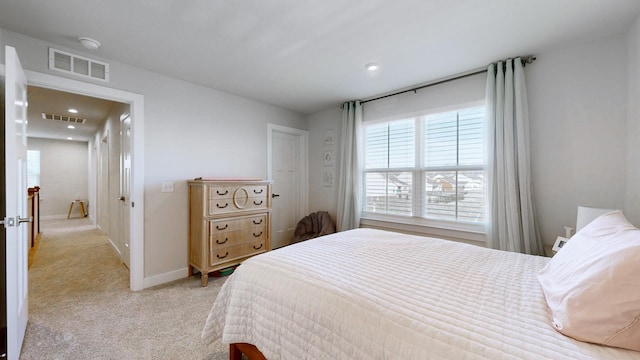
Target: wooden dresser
230 221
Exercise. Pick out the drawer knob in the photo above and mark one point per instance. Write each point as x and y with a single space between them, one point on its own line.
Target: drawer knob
222 257
258 192
220 243
257 248
224 193
223 206
222 228
257 202
257 222
257 235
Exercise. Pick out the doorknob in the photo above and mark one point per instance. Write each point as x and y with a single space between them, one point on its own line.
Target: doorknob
275 195
24 220
121 198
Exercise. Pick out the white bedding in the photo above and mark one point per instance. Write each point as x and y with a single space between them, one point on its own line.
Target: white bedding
369 294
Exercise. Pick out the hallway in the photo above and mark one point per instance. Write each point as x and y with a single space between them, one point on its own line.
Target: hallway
80 305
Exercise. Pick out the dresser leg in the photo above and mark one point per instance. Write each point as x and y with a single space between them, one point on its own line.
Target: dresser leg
205 279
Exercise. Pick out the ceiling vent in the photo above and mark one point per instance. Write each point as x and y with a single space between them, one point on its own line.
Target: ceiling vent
78 65
64 118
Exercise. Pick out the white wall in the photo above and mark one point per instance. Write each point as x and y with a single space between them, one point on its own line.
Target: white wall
579 131
577 108
190 131
64 175
632 210
322 198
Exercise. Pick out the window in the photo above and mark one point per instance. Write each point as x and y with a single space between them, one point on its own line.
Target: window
429 166
33 168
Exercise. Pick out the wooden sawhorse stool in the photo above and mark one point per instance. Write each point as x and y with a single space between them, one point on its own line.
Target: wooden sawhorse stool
83 212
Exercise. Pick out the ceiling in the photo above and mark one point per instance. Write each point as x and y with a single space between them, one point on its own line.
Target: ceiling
309 56
53 102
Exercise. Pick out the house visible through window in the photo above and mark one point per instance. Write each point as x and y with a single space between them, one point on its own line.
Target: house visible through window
33 168
429 166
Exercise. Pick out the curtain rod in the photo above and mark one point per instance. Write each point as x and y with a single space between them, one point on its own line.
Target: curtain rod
525 60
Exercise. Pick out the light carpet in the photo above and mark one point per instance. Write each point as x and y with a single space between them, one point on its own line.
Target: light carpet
80 305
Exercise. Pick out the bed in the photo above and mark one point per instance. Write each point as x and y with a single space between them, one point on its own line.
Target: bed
372 294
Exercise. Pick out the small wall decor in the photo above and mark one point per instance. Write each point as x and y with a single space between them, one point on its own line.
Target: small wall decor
328 137
329 159
327 178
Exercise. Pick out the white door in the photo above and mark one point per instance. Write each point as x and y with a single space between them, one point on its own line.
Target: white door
287 176
15 222
125 188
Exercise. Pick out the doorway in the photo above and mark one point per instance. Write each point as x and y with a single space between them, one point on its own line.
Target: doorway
287 167
75 161
136 110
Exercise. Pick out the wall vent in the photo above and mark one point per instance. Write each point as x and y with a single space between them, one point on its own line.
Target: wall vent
78 65
64 118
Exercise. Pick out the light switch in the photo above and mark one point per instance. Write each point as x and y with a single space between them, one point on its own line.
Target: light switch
167 186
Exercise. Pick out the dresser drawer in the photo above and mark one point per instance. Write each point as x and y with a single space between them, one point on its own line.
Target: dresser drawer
228 199
239 191
226 254
232 232
220 240
237 223
225 206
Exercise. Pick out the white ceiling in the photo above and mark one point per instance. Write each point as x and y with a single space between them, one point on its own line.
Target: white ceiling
94 111
309 56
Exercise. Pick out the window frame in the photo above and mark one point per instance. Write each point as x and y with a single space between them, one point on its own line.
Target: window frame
29 173
461 229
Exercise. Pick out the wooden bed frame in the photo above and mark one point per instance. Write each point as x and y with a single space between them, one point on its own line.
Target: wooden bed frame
250 351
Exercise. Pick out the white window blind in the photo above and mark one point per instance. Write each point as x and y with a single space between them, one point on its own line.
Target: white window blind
390 159
430 166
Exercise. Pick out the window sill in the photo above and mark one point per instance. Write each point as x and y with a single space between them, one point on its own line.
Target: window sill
467 233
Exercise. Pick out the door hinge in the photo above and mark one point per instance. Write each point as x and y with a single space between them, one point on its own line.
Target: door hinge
133 204
8 222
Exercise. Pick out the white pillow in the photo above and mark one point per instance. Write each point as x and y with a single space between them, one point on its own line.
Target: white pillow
592 285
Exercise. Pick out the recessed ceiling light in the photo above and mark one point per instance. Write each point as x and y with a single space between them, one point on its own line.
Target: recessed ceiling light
89 43
372 67
70 127
73 111
69 138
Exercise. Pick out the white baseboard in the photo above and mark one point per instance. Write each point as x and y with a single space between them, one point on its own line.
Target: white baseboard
60 217
165 278
115 248
53 217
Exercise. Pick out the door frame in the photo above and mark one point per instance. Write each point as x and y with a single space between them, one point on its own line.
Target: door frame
303 148
136 103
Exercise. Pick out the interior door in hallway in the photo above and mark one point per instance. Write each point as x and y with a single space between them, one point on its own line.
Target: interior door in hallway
15 219
125 188
286 187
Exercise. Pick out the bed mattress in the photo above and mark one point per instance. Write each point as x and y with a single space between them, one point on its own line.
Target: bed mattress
371 294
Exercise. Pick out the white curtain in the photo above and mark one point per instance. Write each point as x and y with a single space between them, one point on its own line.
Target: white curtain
349 184
512 224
